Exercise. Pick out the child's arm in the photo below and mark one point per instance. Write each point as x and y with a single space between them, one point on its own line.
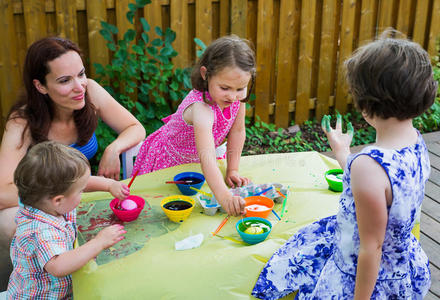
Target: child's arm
117 189
202 118
370 186
339 142
236 138
71 261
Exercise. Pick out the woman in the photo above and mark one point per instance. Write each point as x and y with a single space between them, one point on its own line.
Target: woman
61 104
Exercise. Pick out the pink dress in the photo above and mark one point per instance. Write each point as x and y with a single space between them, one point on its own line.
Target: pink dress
174 143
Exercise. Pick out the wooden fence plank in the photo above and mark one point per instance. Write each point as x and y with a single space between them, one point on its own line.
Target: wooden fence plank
345 50
9 66
239 11
153 15
287 50
225 19
387 14
179 23
66 20
434 32
305 60
35 20
204 21
265 62
421 20
96 12
405 16
367 28
121 9
328 53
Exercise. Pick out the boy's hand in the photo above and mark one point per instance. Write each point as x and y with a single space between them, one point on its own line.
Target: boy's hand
234 205
110 235
338 141
234 179
118 189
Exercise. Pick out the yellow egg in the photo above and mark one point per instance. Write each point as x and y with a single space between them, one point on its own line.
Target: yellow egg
254 230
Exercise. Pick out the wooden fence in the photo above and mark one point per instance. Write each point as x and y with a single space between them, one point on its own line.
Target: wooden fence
300 44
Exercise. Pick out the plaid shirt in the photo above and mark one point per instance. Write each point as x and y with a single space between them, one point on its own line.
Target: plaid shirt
38 238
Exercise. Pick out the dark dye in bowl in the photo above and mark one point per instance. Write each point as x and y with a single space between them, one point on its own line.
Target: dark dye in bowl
192 179
177 205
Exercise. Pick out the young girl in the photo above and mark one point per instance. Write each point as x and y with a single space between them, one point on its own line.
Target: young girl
367 249
50 180
212 111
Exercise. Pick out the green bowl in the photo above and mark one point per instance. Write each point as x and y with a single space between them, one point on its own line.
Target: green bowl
334 185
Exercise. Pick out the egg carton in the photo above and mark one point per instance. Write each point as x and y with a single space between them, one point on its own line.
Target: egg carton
211 206
253 189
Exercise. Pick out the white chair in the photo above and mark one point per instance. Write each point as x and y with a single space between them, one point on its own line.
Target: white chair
128 158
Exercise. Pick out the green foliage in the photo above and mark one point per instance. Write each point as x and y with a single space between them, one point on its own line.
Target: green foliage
141 75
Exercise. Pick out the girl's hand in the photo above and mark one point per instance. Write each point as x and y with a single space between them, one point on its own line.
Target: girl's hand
234 205
110 165
110 235
234 179
336 138
118 189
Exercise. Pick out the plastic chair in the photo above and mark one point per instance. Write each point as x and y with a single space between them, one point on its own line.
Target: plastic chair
128 158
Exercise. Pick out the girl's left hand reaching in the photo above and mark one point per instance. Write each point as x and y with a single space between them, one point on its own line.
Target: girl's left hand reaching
234 179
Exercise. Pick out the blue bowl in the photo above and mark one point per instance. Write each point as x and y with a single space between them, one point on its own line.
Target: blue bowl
185 188
253 238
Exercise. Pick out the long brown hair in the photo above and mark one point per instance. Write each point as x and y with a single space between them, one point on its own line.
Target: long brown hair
38 109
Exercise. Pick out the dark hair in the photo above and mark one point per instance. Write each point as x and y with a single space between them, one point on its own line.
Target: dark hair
37 109
391 77
48 169
227 51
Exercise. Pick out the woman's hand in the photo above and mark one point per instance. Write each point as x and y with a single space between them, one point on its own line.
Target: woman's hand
234 179
339 142
119 190
234 205
110 164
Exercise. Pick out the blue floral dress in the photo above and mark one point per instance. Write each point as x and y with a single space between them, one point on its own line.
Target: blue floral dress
320 259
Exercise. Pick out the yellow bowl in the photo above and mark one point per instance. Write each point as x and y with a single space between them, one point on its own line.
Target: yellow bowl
178 207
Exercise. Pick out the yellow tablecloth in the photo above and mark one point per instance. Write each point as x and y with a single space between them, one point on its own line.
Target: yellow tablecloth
219 268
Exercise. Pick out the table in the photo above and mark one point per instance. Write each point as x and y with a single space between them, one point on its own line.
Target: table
146 266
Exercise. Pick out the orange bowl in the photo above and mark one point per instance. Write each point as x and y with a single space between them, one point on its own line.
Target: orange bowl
255 211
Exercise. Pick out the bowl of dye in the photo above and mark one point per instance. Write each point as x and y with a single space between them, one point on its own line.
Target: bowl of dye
334 179
258 206
196 180
253 230
178 207
130 208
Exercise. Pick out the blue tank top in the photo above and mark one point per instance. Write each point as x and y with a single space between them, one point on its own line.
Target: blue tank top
89 149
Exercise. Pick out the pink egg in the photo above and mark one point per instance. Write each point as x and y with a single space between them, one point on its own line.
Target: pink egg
128 204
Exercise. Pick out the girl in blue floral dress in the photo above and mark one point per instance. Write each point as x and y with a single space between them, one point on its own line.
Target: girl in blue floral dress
367 250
